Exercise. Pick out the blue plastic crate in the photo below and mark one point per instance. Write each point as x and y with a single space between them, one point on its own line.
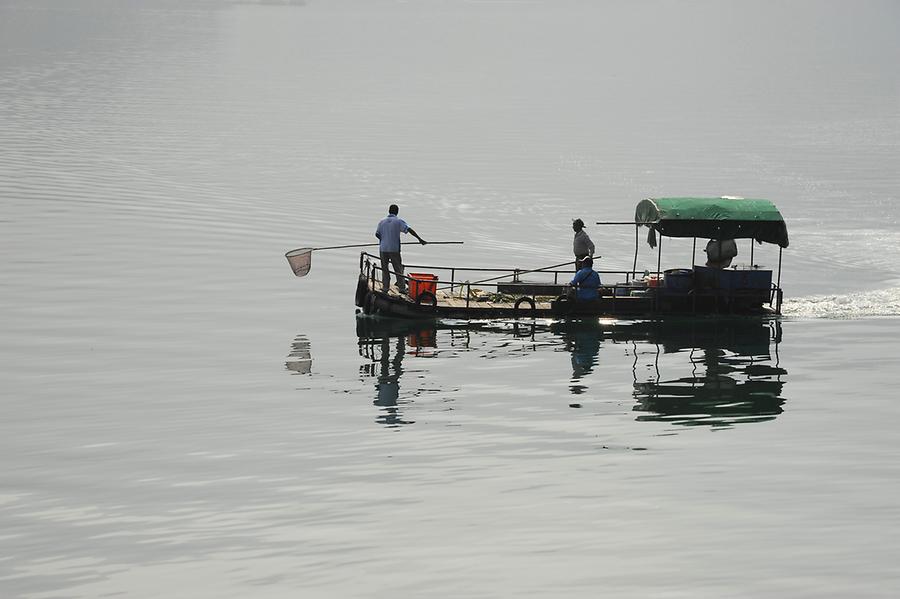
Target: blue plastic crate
732 278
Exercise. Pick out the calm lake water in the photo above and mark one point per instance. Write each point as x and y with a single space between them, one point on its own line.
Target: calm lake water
182 417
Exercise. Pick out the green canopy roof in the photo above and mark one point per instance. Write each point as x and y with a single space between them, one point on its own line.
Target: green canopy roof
714 218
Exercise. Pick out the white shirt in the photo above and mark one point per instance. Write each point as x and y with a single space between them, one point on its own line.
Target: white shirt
389 230
582 245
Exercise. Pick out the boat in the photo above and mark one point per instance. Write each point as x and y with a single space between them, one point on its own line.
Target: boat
708 289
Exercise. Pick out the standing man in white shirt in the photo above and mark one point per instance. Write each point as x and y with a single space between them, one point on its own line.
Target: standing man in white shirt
388 234
582 246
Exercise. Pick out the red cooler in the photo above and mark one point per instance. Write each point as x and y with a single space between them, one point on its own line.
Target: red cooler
420 282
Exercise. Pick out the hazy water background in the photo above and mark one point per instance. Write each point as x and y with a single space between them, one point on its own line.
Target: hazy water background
157 159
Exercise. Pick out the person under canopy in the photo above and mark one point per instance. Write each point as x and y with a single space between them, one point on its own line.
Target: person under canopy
720 252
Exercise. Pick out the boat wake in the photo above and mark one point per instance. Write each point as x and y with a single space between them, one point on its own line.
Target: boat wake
884 302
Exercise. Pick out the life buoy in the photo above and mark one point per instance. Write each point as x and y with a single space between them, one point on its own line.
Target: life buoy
427 295
520 301
562 304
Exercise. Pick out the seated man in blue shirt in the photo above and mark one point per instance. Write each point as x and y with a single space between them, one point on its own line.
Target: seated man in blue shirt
586 281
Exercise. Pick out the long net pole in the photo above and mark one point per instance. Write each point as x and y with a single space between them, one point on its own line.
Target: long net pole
300 259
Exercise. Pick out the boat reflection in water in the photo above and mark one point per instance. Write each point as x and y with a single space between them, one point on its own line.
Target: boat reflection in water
707 372
384 342
729 371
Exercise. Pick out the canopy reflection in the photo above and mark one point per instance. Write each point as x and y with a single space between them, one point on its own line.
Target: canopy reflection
732 373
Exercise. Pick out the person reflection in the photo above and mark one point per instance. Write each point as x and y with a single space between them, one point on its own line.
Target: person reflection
582 341
387 386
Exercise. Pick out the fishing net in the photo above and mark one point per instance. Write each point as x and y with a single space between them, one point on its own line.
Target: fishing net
300 260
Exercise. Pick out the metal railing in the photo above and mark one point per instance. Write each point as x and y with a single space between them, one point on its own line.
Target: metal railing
370 267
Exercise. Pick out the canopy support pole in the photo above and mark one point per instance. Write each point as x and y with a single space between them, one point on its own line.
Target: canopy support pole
637 230
780 251
693 291
659 257
778 284
658 279
751 252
